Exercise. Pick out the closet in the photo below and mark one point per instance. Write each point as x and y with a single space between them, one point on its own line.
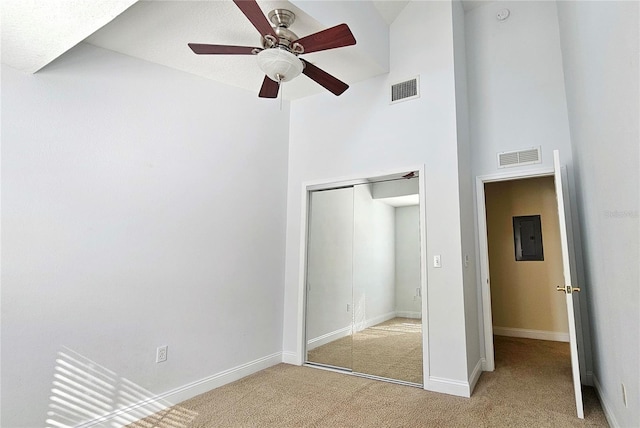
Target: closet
363 286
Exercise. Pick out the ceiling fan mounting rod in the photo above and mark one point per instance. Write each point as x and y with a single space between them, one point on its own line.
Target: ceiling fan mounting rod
278 56
282 19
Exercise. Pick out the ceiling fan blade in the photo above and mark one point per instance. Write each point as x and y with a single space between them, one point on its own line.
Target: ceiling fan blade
334 37
269 88
253 12
202 49
324 79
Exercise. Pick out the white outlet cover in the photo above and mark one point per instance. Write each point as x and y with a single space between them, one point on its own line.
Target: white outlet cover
437 262
161 354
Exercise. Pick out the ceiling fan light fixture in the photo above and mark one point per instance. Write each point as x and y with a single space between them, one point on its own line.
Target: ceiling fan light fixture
279 64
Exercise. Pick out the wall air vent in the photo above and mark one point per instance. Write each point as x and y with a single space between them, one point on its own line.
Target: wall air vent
519 158
405 91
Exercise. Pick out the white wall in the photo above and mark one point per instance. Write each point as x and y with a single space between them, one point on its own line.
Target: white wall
407 261
138 210
515 83
350 263
472 291
373 259
360 134
516 93
330 266
600 54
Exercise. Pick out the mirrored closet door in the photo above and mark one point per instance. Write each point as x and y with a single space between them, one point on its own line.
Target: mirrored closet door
329 319
364 304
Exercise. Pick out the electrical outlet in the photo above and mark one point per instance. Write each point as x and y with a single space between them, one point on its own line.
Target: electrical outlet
624 395
437 261
161 354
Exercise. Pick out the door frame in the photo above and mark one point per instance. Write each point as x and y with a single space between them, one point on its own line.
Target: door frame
488 362
331 183
483 256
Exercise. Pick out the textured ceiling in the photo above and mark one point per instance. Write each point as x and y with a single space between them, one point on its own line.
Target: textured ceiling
36 32
158 31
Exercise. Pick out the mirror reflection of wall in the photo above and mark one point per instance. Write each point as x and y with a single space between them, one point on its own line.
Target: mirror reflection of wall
408 292
384 337
329 317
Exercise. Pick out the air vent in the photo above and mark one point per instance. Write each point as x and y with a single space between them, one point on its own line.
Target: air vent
518 158
405 91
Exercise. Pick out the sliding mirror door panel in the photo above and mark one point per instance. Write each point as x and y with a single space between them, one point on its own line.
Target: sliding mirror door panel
329 312
363 306
387 336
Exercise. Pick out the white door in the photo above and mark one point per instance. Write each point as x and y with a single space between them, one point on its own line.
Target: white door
567 287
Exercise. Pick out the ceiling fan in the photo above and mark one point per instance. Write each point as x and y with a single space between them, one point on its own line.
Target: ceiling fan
279 55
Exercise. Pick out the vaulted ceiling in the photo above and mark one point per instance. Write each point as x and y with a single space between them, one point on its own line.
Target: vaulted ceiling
36 32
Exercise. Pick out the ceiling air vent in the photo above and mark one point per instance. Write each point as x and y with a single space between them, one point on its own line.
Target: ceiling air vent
405 91
518 158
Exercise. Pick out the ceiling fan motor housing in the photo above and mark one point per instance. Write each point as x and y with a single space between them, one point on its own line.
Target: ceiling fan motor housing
278 56
282 19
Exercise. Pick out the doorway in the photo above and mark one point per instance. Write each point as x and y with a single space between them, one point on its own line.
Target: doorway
567 286
524 300
485 278
364 287
529 317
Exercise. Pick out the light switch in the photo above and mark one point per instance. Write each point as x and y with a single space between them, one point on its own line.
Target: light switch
436 261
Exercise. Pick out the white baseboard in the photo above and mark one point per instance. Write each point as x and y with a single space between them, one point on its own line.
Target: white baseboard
556 336
485 365
606 406
157 403
291 358
343 332
409 314
328 337
456 387
448 386
375 321
589 379
475 375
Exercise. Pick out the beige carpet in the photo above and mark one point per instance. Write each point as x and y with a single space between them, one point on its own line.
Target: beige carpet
392 349
531 387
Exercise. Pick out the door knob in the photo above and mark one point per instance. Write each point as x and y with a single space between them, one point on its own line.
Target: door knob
568 289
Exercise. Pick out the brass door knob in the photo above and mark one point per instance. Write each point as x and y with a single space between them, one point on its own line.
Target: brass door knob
568 289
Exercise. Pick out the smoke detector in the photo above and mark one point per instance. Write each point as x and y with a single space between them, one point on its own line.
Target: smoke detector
503 14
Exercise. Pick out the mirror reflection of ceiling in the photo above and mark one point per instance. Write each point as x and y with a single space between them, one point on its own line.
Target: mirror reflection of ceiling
397 193
401 201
